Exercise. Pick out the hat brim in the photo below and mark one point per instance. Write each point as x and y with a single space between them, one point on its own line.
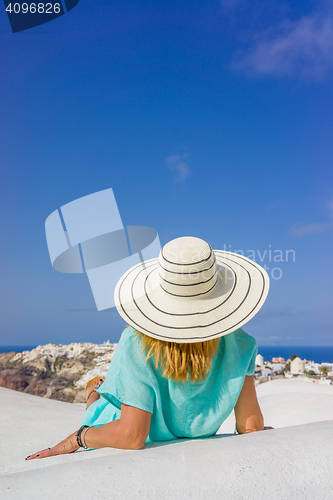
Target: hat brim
237 295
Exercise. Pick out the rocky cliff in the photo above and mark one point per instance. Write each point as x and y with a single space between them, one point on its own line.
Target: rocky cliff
56 372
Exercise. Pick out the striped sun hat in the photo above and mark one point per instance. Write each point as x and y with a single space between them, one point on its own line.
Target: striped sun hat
191 293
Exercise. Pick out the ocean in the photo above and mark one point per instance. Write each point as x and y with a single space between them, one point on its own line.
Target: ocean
16 348
318 354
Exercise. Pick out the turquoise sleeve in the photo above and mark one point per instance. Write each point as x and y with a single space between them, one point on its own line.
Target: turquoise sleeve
128 380
252 365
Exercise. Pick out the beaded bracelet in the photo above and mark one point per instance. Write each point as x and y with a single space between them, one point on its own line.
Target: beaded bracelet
83 438
78 435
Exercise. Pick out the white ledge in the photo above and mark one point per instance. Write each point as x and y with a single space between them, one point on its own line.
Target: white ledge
284 463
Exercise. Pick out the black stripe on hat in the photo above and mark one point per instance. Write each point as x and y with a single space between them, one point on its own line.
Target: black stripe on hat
190 284
186 296
190 263
193 272
195 313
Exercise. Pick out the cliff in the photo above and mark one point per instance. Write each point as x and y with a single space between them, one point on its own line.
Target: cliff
55 372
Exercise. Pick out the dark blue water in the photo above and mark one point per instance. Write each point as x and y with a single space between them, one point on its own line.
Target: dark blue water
16 348
318 354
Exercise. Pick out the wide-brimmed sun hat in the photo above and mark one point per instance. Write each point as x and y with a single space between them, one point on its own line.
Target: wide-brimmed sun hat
191 293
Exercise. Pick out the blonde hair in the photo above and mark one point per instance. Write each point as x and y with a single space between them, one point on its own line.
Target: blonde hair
180 361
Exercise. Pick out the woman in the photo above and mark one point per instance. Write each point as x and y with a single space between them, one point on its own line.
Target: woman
184 363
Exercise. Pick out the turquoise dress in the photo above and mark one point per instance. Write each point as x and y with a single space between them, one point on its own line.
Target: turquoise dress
179 409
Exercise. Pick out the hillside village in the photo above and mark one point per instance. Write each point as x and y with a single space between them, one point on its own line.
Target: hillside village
309 371
56 371
62 371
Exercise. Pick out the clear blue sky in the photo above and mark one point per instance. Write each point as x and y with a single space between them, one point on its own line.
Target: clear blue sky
210 119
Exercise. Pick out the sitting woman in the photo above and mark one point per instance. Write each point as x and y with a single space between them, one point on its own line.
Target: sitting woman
184 363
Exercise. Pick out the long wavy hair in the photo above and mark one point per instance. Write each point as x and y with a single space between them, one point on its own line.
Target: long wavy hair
180 361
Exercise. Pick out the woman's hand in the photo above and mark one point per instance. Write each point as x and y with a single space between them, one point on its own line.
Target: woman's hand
68 445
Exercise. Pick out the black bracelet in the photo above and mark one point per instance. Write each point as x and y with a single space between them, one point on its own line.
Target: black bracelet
78 435
83 438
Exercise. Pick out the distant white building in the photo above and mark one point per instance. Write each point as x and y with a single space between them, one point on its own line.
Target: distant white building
266 371
330 367
311 365
259 361
316 367
297 366
278 367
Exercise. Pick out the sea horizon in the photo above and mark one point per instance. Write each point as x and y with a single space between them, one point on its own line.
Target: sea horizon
318 354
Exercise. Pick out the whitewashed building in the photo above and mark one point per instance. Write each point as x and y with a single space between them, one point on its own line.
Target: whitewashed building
266 371
278 367
297 366
311 365
259 360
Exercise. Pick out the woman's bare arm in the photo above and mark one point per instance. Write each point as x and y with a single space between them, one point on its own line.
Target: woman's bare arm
247 410
129 432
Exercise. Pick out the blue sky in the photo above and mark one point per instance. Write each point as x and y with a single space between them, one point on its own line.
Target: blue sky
210 119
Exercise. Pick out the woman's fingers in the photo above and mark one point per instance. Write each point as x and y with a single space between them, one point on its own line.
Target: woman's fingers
41 454
68 445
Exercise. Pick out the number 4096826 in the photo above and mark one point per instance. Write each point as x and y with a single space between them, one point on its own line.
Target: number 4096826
33 8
